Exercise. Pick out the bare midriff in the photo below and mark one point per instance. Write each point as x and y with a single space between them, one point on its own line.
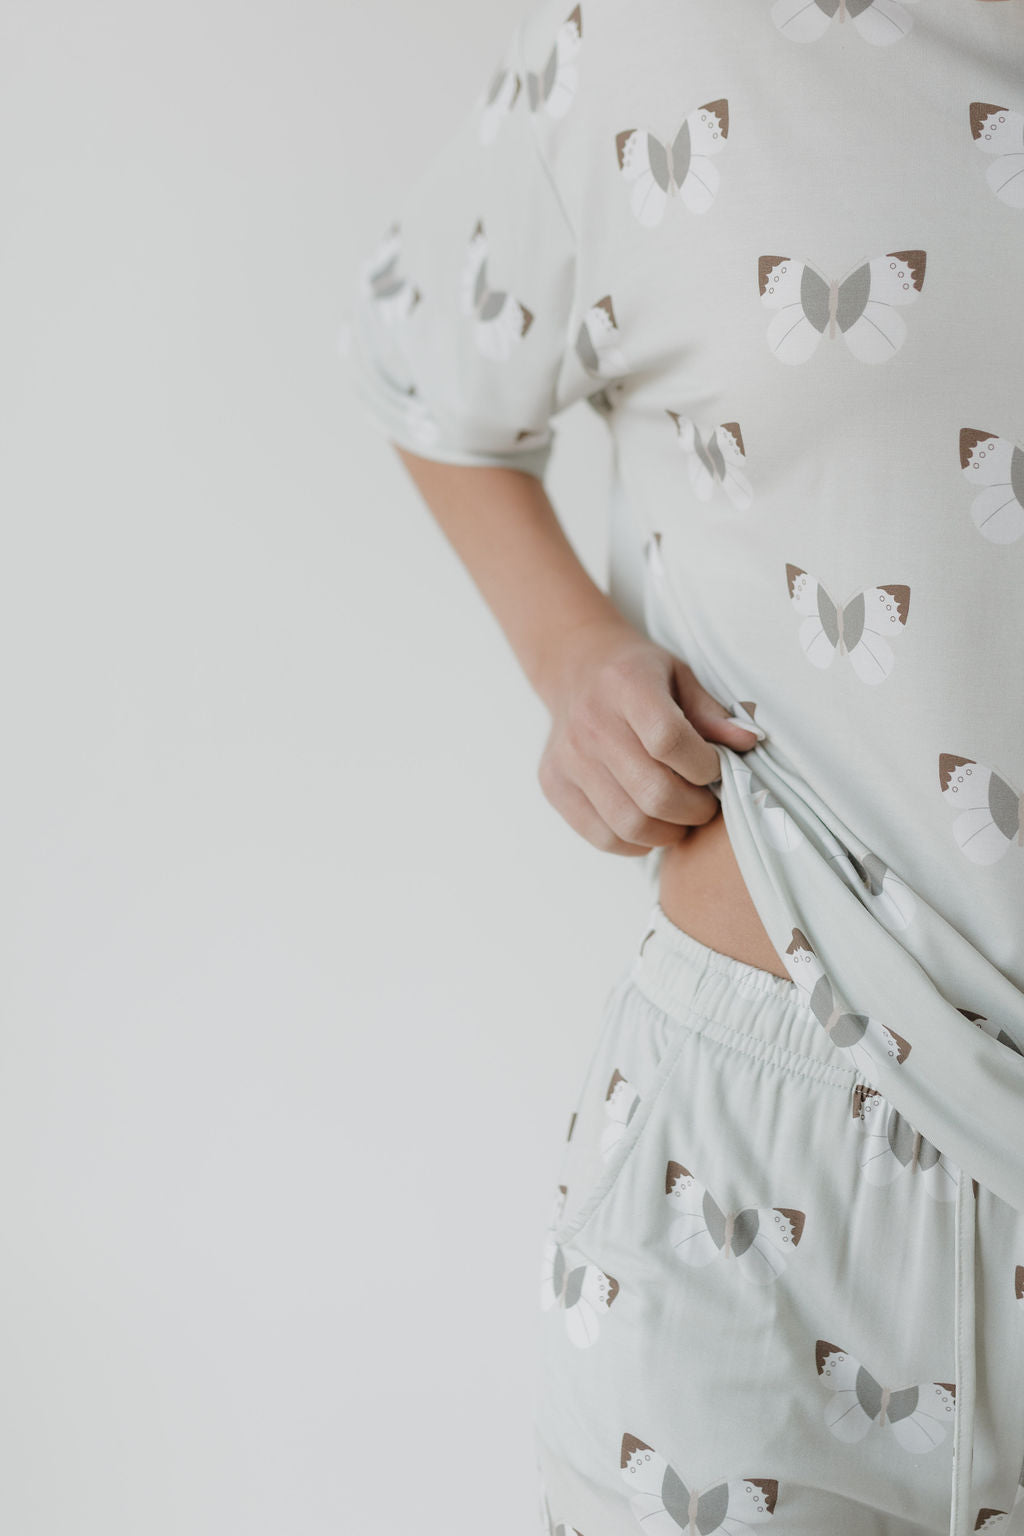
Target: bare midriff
702 891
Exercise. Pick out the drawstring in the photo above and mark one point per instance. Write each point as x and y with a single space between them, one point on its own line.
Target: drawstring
965 1357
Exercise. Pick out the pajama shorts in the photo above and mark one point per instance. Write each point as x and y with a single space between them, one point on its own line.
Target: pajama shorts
765 1300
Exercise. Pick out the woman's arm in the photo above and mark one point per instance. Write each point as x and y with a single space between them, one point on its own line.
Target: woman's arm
504 529
628 752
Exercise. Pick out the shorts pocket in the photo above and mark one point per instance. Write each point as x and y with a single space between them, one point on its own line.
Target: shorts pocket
631 1061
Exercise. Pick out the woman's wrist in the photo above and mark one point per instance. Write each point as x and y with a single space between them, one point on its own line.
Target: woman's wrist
561 650
504 529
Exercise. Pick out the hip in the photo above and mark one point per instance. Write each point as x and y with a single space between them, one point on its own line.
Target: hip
702 891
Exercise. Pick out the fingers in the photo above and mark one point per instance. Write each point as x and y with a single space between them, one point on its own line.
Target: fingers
628 762
708 714
643 800
577 809
672 724
667 737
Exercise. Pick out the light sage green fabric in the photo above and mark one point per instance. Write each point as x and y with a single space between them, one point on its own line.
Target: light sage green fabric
751 1287
779 248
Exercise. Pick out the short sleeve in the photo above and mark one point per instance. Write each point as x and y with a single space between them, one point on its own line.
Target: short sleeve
457 336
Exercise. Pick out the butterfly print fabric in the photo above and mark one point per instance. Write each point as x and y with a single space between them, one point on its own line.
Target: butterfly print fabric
718 459
860 628
999 133
997 465
881 22
582 1291
862 308
759 1240
759 1317
659 171
919 1417
776 250
660 1499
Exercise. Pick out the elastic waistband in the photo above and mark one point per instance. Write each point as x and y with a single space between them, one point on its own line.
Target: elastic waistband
729 1000
767 1016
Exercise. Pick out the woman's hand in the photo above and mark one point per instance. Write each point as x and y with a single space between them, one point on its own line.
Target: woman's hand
629 754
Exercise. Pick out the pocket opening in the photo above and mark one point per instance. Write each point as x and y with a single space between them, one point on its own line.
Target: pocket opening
569 1228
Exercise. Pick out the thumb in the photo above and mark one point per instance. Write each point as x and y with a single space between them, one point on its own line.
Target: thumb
707 715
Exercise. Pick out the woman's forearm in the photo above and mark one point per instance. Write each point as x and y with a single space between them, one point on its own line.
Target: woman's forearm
504 529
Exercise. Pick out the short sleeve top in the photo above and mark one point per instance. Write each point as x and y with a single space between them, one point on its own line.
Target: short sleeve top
779 249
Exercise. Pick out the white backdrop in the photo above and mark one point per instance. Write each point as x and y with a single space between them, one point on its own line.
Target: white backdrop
299 968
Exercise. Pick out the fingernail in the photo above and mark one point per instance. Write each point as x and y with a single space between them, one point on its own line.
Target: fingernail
740 717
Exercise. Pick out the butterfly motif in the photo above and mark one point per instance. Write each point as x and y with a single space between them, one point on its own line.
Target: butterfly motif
861 628
759 1239
656 170
878 21
871 879
498 100
597 340
501 320
999 132
891 1145
994 1519
990 812
664 1505
621 1103
850 1031
919 1417
551 90
394 296
779 827
718 460
991 1028
998 465
863 306
583 1291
